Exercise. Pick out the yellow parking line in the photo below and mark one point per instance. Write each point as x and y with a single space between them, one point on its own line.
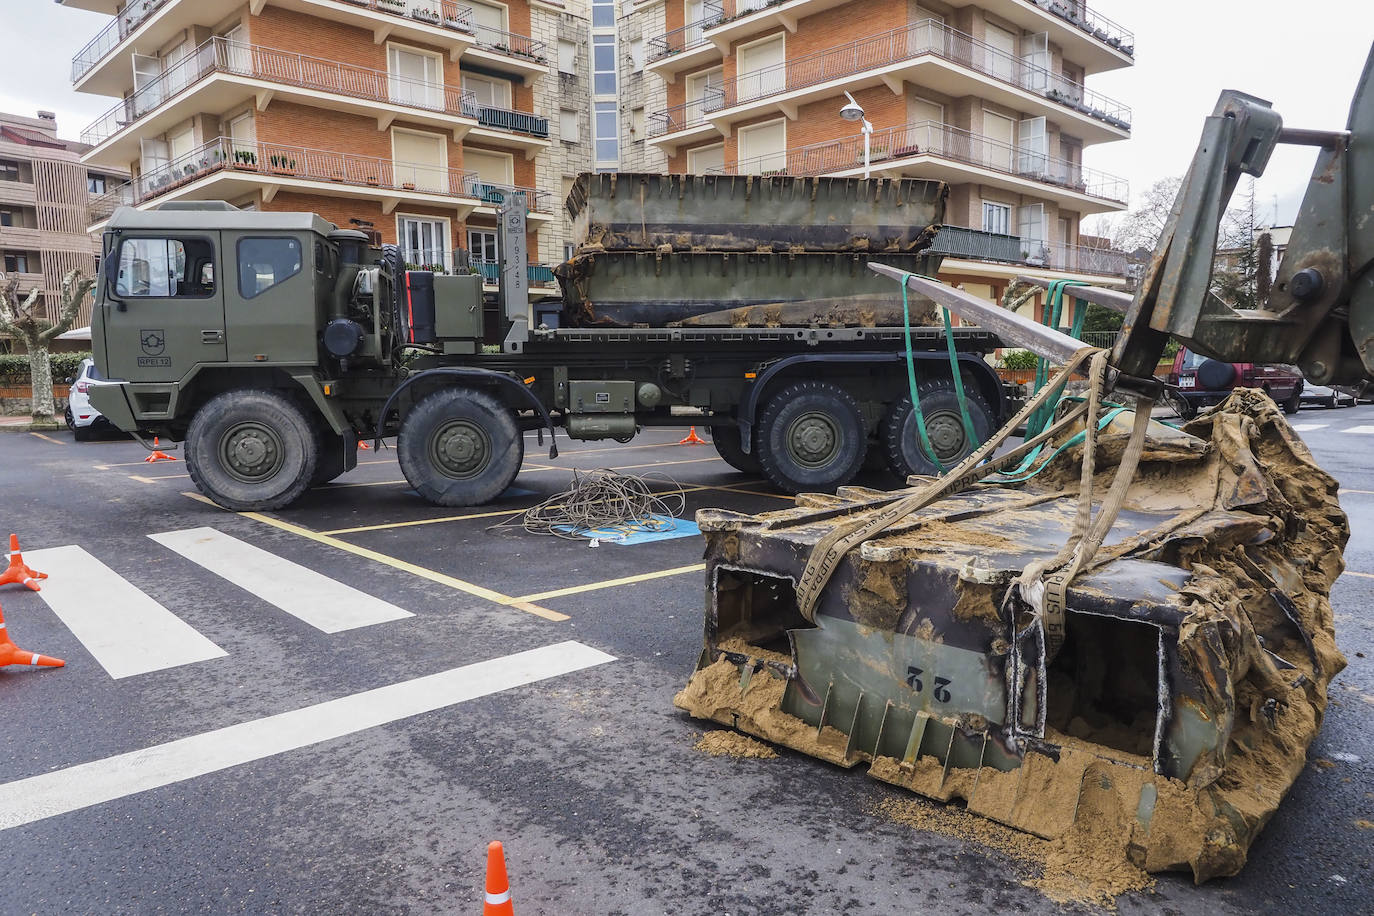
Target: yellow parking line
142 479
421 521
477 591
48 438
611 583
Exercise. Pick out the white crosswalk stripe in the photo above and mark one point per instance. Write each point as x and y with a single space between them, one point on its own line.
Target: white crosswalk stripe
1308 427
125 630
322 602
1360 430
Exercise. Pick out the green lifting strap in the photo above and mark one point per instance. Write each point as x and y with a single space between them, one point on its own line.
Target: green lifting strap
1042 417
926 447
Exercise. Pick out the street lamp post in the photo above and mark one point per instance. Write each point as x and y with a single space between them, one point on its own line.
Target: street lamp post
855 112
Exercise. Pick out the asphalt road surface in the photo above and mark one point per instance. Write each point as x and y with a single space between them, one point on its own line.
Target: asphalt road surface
235 747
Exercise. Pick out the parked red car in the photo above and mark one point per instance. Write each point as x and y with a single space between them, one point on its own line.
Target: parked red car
1198 381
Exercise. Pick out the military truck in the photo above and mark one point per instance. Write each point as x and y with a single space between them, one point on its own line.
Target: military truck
271 342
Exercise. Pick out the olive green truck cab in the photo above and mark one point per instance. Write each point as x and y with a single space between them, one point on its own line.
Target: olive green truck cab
269 343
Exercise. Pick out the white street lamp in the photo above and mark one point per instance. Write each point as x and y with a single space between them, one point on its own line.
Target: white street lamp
855 112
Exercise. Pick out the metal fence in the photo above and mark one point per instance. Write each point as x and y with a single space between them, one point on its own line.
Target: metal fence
978 245
689 36
928 37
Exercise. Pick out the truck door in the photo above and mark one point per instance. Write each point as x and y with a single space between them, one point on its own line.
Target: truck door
164 312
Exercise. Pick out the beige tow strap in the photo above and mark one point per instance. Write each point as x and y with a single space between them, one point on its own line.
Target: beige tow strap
830 551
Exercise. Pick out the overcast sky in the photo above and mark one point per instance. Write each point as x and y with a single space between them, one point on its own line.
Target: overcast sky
1303 57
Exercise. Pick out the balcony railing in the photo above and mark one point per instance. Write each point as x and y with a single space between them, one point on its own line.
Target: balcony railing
220 55
493 194
1092 22
225 154
539 274
931 138
689 36
510 43
977 245
925 38
520 122
435 12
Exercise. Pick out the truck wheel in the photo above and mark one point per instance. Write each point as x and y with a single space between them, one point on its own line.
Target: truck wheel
727 443
1294 401
330 463
460 447
251 449
811 437
944 427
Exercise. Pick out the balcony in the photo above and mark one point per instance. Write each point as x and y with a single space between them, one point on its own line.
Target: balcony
491 195
509 129
144 26
928 53
540 275
928 149
509 52
220 74
682 49
226 168
1059 258
1088 38
18 192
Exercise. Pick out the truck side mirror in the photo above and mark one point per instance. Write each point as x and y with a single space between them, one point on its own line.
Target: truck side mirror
110 270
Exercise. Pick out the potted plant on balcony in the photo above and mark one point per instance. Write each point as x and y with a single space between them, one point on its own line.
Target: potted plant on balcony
392 6
424 15
246 159
372 181
408 185
453 22
283 165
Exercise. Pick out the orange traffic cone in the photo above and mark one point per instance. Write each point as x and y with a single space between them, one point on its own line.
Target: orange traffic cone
10 654
18 571
364 446
692 438
498 886
158 454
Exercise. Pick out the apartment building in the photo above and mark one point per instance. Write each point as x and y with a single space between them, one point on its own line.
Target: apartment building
44 194
411 119
988 96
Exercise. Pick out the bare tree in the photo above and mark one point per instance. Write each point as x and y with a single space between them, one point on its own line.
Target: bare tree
27 322
1142 227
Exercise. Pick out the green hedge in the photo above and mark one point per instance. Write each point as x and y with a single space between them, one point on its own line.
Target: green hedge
14 367
1018 359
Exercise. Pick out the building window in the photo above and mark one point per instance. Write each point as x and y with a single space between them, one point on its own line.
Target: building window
489 92
416 78
567 56
603 64
569 250
996 218
424 242
482 244
9 170
567 125
603 13
607 134
707 160
95 184
420 160
489 23
637 123
17 263
7 218
637 54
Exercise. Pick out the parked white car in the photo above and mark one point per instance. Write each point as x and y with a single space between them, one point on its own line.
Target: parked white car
82 418
1327 396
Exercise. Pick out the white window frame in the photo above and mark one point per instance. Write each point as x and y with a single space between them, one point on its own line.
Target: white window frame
1001 213
396 163
507 86
692 155
780 156
508 178
570 65
488 235
401 92
565 134
753 84
697 88
445 255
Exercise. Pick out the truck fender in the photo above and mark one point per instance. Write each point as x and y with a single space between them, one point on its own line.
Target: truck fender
749 404
482 377
331 412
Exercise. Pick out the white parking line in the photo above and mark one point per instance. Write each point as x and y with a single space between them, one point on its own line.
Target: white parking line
49 794
320 601
1360 430
1308 427
126 631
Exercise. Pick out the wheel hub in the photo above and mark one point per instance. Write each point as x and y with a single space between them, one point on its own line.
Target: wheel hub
460 449
252 452
946 434
813 440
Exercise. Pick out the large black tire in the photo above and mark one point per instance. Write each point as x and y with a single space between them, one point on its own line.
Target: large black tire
811 437
727 442
251 449
332 459
901 435
69 418
1294 401
460 447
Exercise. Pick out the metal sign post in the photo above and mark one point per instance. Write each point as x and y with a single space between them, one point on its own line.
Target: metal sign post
514 294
